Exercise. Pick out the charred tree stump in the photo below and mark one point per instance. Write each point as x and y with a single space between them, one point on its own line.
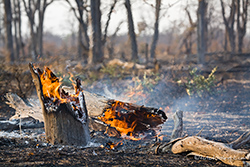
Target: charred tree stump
178 125
63 124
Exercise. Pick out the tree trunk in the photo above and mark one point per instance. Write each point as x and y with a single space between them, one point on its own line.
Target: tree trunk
97 50
62 124
16 22
202 31
8 30
229 24
156 28
131 31
241 22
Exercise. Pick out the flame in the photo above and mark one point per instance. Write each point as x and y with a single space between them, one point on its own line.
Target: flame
51 87
128 120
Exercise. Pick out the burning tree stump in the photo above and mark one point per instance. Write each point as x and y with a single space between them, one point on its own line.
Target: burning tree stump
65 116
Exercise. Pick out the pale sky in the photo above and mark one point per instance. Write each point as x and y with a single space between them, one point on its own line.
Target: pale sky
59 20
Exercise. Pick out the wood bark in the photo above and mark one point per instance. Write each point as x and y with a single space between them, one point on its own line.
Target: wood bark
62 125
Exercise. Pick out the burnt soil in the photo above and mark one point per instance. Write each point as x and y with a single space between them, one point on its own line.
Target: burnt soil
224 117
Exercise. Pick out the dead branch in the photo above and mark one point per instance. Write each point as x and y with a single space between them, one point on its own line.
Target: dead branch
208 148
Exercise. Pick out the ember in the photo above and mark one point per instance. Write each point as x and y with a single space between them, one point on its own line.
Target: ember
131 120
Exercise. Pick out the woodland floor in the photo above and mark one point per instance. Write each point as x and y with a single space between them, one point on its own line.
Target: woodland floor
223 117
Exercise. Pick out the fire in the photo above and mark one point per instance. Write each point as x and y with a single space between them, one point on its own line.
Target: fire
51 87
129 120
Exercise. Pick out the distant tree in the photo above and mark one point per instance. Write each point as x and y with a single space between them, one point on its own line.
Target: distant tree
202 30
242 13
108 21
131 31
8 31
156 28
83 41
36 30
19 45
97 49
229 25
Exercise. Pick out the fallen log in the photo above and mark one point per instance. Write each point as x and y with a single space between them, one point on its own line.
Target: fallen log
65 122
115 117
204 149
210 149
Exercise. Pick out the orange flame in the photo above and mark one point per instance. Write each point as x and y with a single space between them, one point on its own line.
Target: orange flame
128 120
51 87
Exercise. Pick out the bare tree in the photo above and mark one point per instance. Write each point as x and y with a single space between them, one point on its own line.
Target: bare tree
97 49
8 31
241 21
108 21
202 30
83 42
36 31
131 31
156 28
19 45
41 9
229 25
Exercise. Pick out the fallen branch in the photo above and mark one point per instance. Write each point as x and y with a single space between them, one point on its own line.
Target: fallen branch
211 149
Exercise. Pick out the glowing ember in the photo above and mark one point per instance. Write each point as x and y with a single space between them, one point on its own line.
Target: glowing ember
131 120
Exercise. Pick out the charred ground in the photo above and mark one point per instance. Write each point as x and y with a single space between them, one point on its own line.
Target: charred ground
224 116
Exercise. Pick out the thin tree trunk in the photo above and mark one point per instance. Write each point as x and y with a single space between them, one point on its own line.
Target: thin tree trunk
97 34
156 28
8 30
80 42
17 46
131 31
21 44
229 24
108 21
241 22
202 31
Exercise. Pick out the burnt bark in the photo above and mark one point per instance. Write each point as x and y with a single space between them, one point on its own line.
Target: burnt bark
62 125
131 31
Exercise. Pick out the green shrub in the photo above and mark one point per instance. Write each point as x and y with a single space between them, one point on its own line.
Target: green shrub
198 84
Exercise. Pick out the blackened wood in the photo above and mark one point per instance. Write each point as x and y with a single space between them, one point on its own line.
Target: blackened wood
61 125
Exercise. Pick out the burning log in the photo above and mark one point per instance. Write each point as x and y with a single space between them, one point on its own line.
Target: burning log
115 117
65 116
